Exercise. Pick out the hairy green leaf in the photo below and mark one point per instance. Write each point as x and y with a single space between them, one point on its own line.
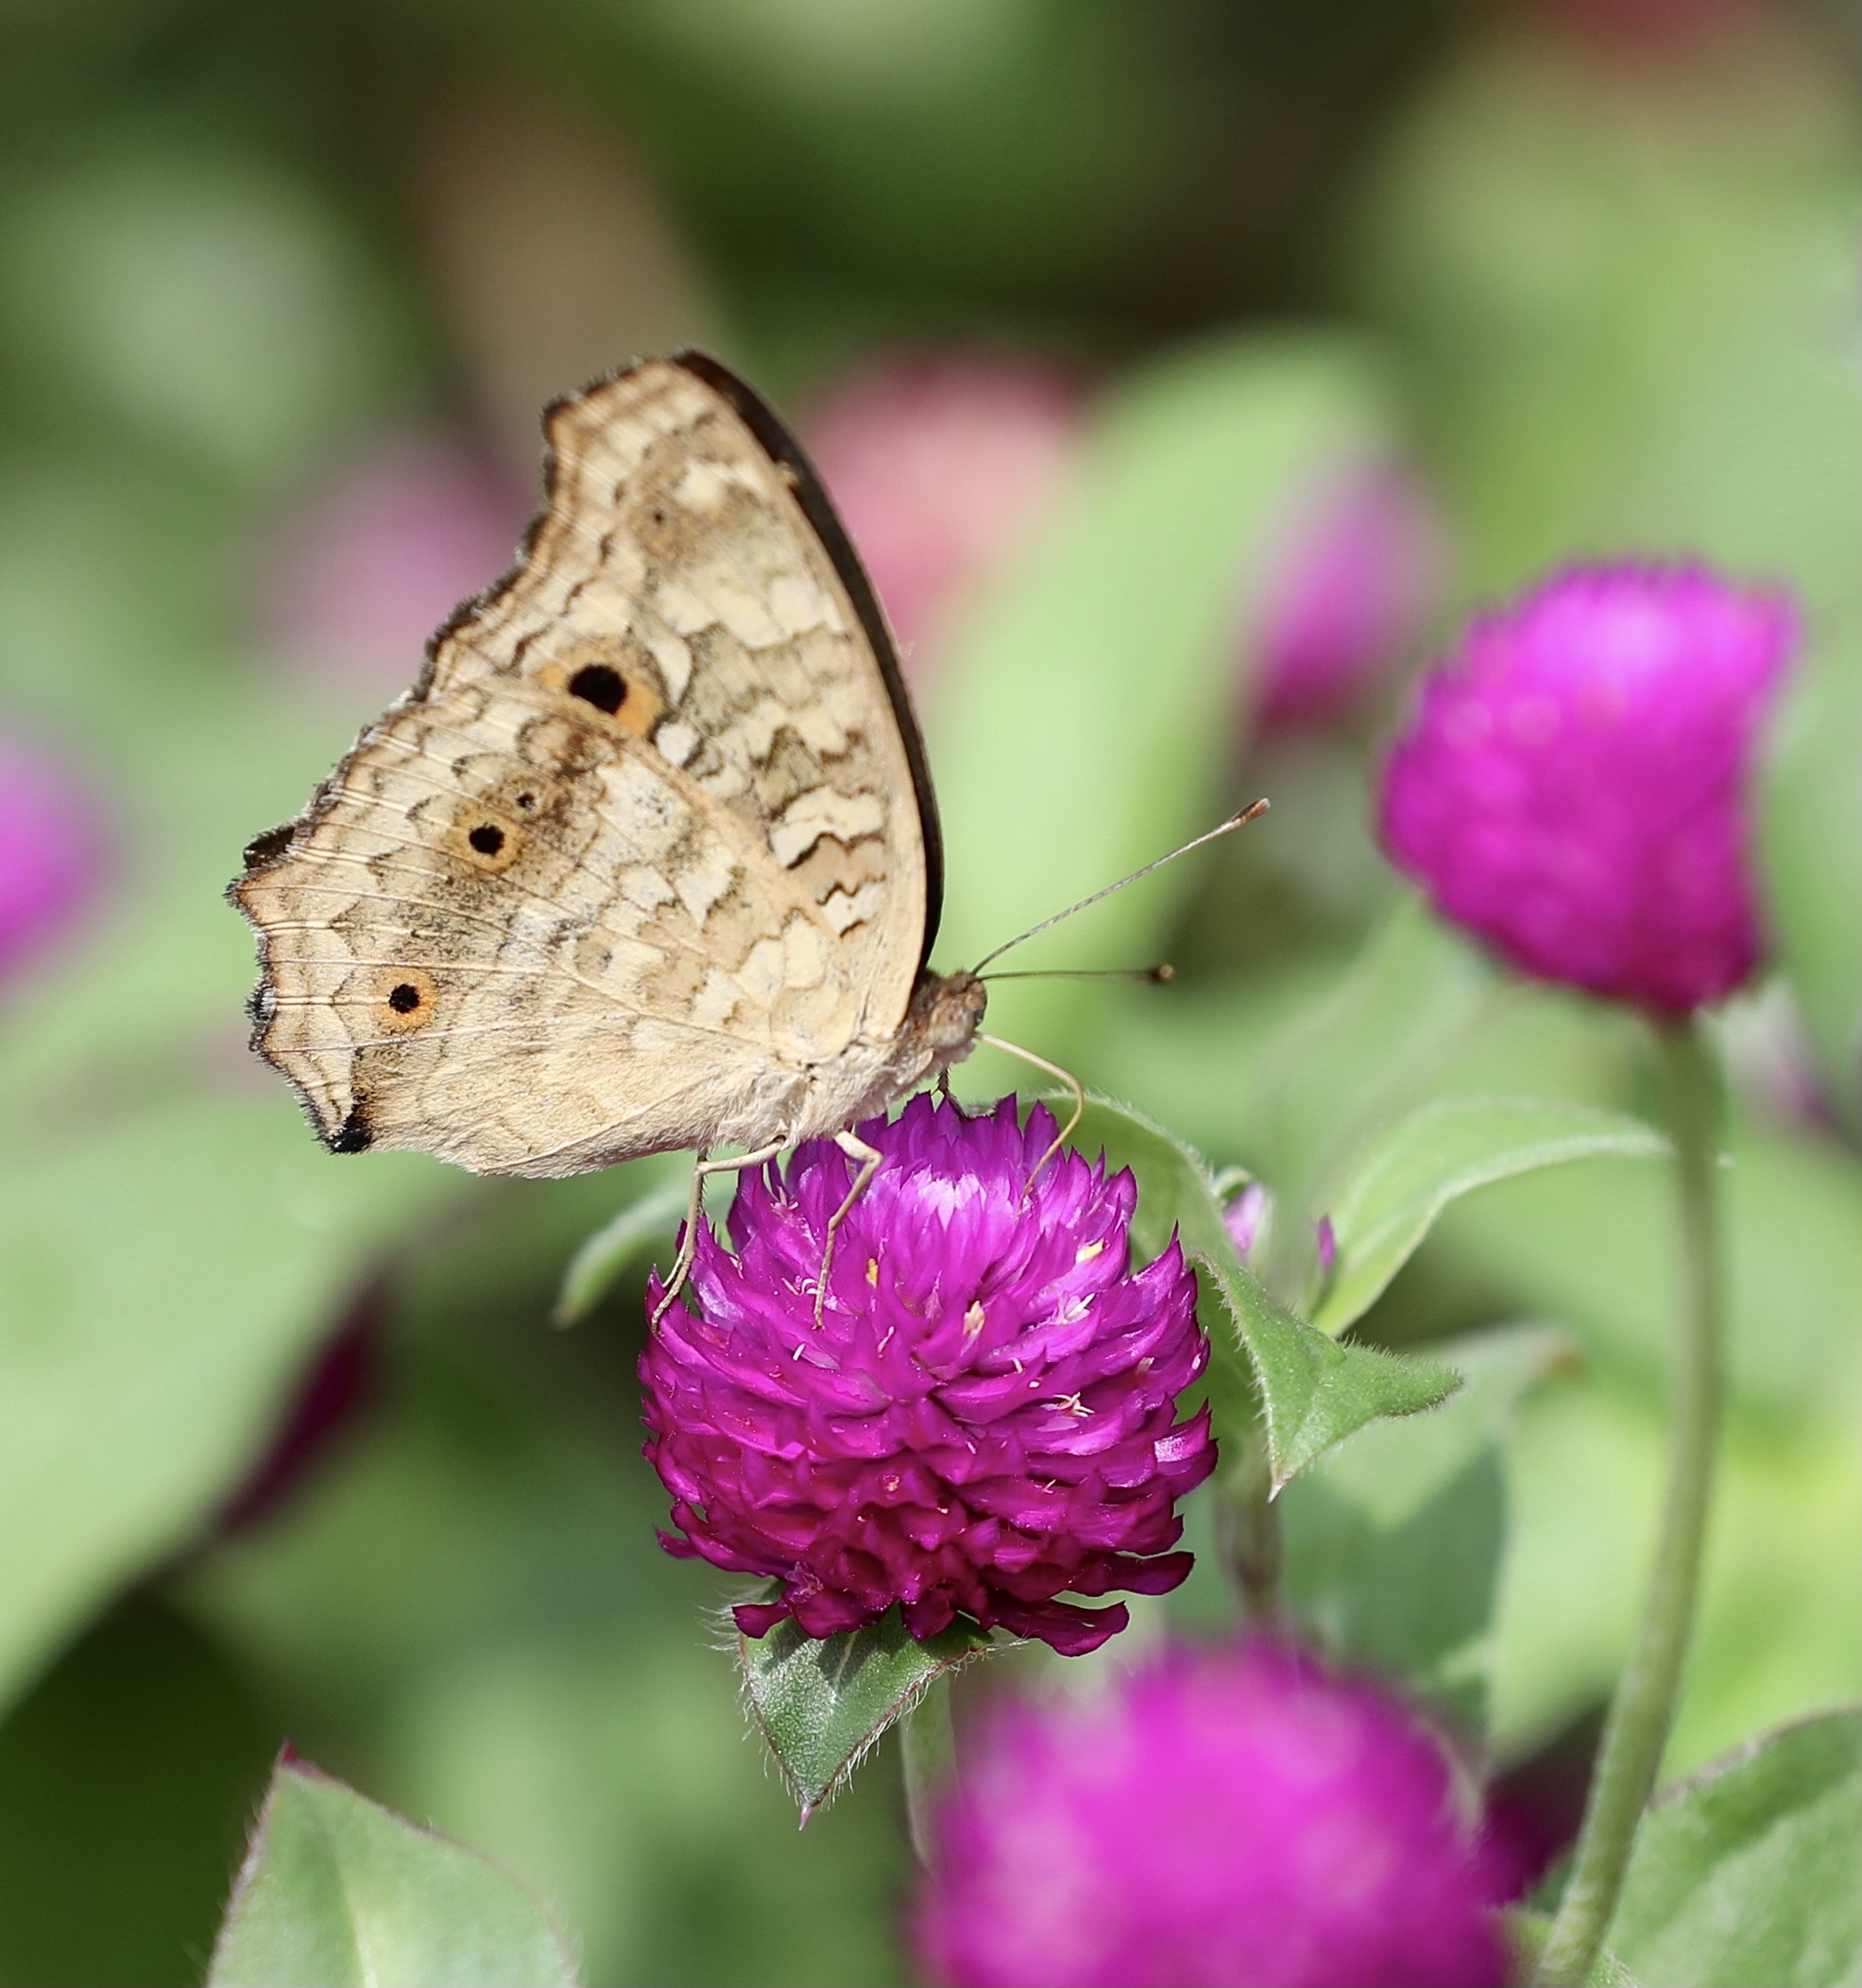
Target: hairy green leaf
1393 1188
1747 1871
338 1892
823 1702
1312 1392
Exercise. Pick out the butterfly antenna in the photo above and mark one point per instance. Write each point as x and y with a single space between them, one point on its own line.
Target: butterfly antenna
1235 822
1158 976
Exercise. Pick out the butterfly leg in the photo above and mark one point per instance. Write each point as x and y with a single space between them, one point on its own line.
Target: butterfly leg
702 1169
867 1160
1066 1077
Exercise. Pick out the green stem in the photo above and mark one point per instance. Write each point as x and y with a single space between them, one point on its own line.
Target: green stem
928 1749
1248 1531
1643 1710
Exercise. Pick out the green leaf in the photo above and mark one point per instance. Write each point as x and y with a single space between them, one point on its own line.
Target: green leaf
338 1892
1747 1872
1390 1194
1658 386
823 1702
1527 1931
618 1244
1394 1542
1313 1391
1087 722
163 1278
1810 844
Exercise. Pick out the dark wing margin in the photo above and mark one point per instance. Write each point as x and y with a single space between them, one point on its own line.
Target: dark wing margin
782 449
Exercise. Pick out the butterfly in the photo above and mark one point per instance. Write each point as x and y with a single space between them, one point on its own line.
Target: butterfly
649 857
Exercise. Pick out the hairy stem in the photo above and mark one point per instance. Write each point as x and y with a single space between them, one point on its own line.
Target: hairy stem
1247 1530
928 1750
1643 1710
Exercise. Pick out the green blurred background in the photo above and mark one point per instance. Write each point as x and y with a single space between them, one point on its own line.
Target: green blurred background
282 289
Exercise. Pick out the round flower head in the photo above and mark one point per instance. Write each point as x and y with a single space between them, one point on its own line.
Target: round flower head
51 853
1213 1820
1573 786
984 1418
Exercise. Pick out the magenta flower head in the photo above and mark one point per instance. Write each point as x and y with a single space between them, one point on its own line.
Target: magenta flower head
985 1418
1574 785
1350 584
52 853
1218 1819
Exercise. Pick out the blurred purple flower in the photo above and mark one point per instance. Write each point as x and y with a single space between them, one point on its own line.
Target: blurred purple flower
1245 1215
53 852
1325 1240
378 559
985 1417
1574 785
942 466
1348 590
1234 1819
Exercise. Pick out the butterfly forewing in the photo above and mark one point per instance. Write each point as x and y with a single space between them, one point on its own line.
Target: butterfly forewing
649 843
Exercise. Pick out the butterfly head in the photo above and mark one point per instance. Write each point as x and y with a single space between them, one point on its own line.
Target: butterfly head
946 1010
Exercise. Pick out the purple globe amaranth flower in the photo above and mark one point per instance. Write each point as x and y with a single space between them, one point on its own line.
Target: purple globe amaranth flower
52 852
1574 785
1352 578
984 1418
1217 1819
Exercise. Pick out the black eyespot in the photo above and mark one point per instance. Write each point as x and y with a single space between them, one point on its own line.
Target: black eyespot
526 800
403 999
487 838
597 685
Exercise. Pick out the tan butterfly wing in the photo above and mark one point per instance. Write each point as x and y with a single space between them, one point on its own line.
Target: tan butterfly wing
647 859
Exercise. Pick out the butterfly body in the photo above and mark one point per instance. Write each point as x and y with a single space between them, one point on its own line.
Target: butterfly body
648 857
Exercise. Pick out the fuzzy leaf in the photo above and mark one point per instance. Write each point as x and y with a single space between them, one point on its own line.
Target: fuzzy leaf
1396 1184
823 1702
1312 1392
337 1890
1747 1871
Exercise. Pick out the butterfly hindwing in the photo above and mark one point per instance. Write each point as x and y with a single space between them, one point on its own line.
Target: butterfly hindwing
650 839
